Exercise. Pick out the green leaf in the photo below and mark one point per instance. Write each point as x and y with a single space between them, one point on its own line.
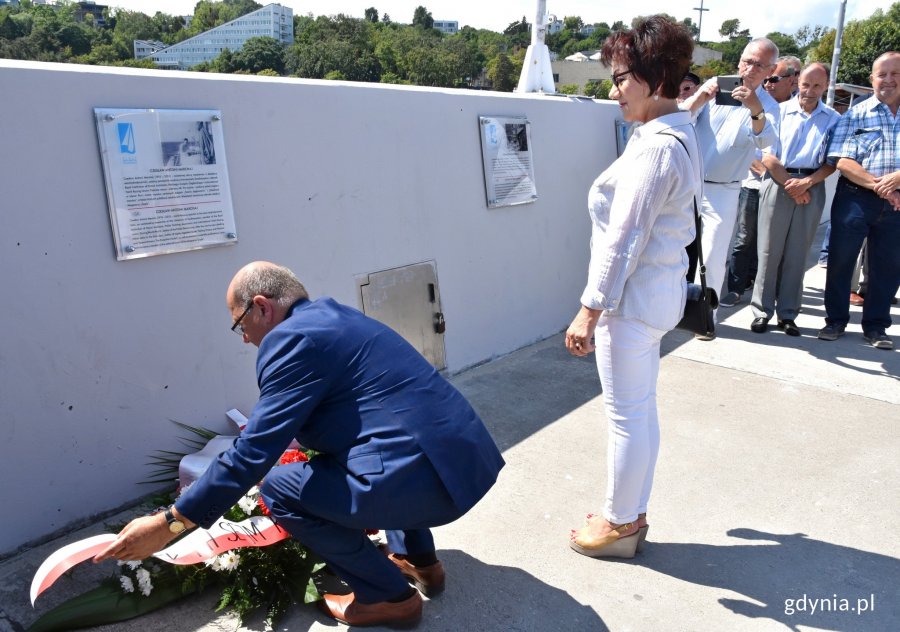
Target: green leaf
105 604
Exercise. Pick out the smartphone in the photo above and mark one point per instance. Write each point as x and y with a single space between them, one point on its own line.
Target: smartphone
727 83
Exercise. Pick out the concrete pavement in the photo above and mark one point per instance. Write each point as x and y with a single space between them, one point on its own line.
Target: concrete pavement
777 484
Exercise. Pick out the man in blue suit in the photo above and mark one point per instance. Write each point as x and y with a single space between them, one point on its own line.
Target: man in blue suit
400 449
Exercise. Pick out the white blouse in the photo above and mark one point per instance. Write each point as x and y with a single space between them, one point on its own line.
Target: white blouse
642 212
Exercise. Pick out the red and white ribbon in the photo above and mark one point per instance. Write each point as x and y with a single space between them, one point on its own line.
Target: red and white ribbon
198 546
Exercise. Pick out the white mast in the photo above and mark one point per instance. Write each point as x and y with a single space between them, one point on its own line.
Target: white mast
537 74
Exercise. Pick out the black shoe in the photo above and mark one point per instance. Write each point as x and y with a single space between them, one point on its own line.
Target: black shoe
878 339
759 325
789 327
831 332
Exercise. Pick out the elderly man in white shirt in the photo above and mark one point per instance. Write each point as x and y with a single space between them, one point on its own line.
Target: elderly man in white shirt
729 137
791 201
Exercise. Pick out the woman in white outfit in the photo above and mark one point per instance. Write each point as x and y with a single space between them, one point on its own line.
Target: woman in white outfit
642 213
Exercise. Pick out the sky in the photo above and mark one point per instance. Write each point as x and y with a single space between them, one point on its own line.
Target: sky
759 16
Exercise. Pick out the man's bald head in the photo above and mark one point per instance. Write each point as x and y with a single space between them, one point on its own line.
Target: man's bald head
812 84
885 79
263 278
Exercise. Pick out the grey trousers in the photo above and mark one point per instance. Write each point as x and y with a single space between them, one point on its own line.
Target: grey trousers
785 233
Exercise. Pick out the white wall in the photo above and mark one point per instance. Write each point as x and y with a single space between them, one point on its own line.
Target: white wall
332 179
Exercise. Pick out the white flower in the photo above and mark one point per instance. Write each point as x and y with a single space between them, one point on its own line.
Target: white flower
144 583
127 584
131 564
213 563
248 502
230 560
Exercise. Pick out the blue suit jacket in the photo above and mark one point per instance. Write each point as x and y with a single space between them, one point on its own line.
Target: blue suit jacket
353 389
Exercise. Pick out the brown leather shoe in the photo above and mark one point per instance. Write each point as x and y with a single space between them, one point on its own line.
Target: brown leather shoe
346 609
429 579
856 299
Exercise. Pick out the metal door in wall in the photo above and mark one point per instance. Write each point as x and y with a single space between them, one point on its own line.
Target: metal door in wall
407 300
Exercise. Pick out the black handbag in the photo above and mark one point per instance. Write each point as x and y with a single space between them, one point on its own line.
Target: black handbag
701 300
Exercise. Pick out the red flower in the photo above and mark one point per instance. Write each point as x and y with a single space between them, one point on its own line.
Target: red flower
371 531
262 505
293 456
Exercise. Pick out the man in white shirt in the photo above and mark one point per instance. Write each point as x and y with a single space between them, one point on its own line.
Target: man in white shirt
729 137
742 263
792 197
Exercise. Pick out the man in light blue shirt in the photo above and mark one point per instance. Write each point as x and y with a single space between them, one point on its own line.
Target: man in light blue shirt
866 150
729 137
792 197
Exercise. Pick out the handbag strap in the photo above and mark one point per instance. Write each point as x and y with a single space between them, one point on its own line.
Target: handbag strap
699 227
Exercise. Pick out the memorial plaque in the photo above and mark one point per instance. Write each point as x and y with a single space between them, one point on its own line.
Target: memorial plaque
506 154
166 180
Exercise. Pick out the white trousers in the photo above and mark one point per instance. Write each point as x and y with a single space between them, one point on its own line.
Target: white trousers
718 214
627 354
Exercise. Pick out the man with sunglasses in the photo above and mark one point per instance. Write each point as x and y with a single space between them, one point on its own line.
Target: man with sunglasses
398 448
782 84
729 137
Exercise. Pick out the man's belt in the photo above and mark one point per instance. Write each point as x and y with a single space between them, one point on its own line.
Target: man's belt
800 172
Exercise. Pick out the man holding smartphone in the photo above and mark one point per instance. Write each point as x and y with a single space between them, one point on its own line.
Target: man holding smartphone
729 136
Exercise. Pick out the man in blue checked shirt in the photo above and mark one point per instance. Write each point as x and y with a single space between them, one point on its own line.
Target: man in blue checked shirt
792 197
865 148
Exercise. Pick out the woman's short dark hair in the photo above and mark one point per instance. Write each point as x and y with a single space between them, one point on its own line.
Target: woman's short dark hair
657 51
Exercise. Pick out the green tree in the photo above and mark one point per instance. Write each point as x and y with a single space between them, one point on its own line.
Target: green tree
422 17
573 22
225 62
334 43
516 28
261 53
863 41
786 44
618 25
132 25
9 28
714 68
502 73
598 88
568 88
732 30
808 36
75 37
371 14
692 28
209 14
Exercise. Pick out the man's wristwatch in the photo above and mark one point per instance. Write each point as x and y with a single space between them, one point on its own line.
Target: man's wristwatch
176 526
760 116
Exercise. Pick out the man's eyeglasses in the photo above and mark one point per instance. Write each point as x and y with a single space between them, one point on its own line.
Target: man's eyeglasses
776 78
618 77
237 327
755 64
